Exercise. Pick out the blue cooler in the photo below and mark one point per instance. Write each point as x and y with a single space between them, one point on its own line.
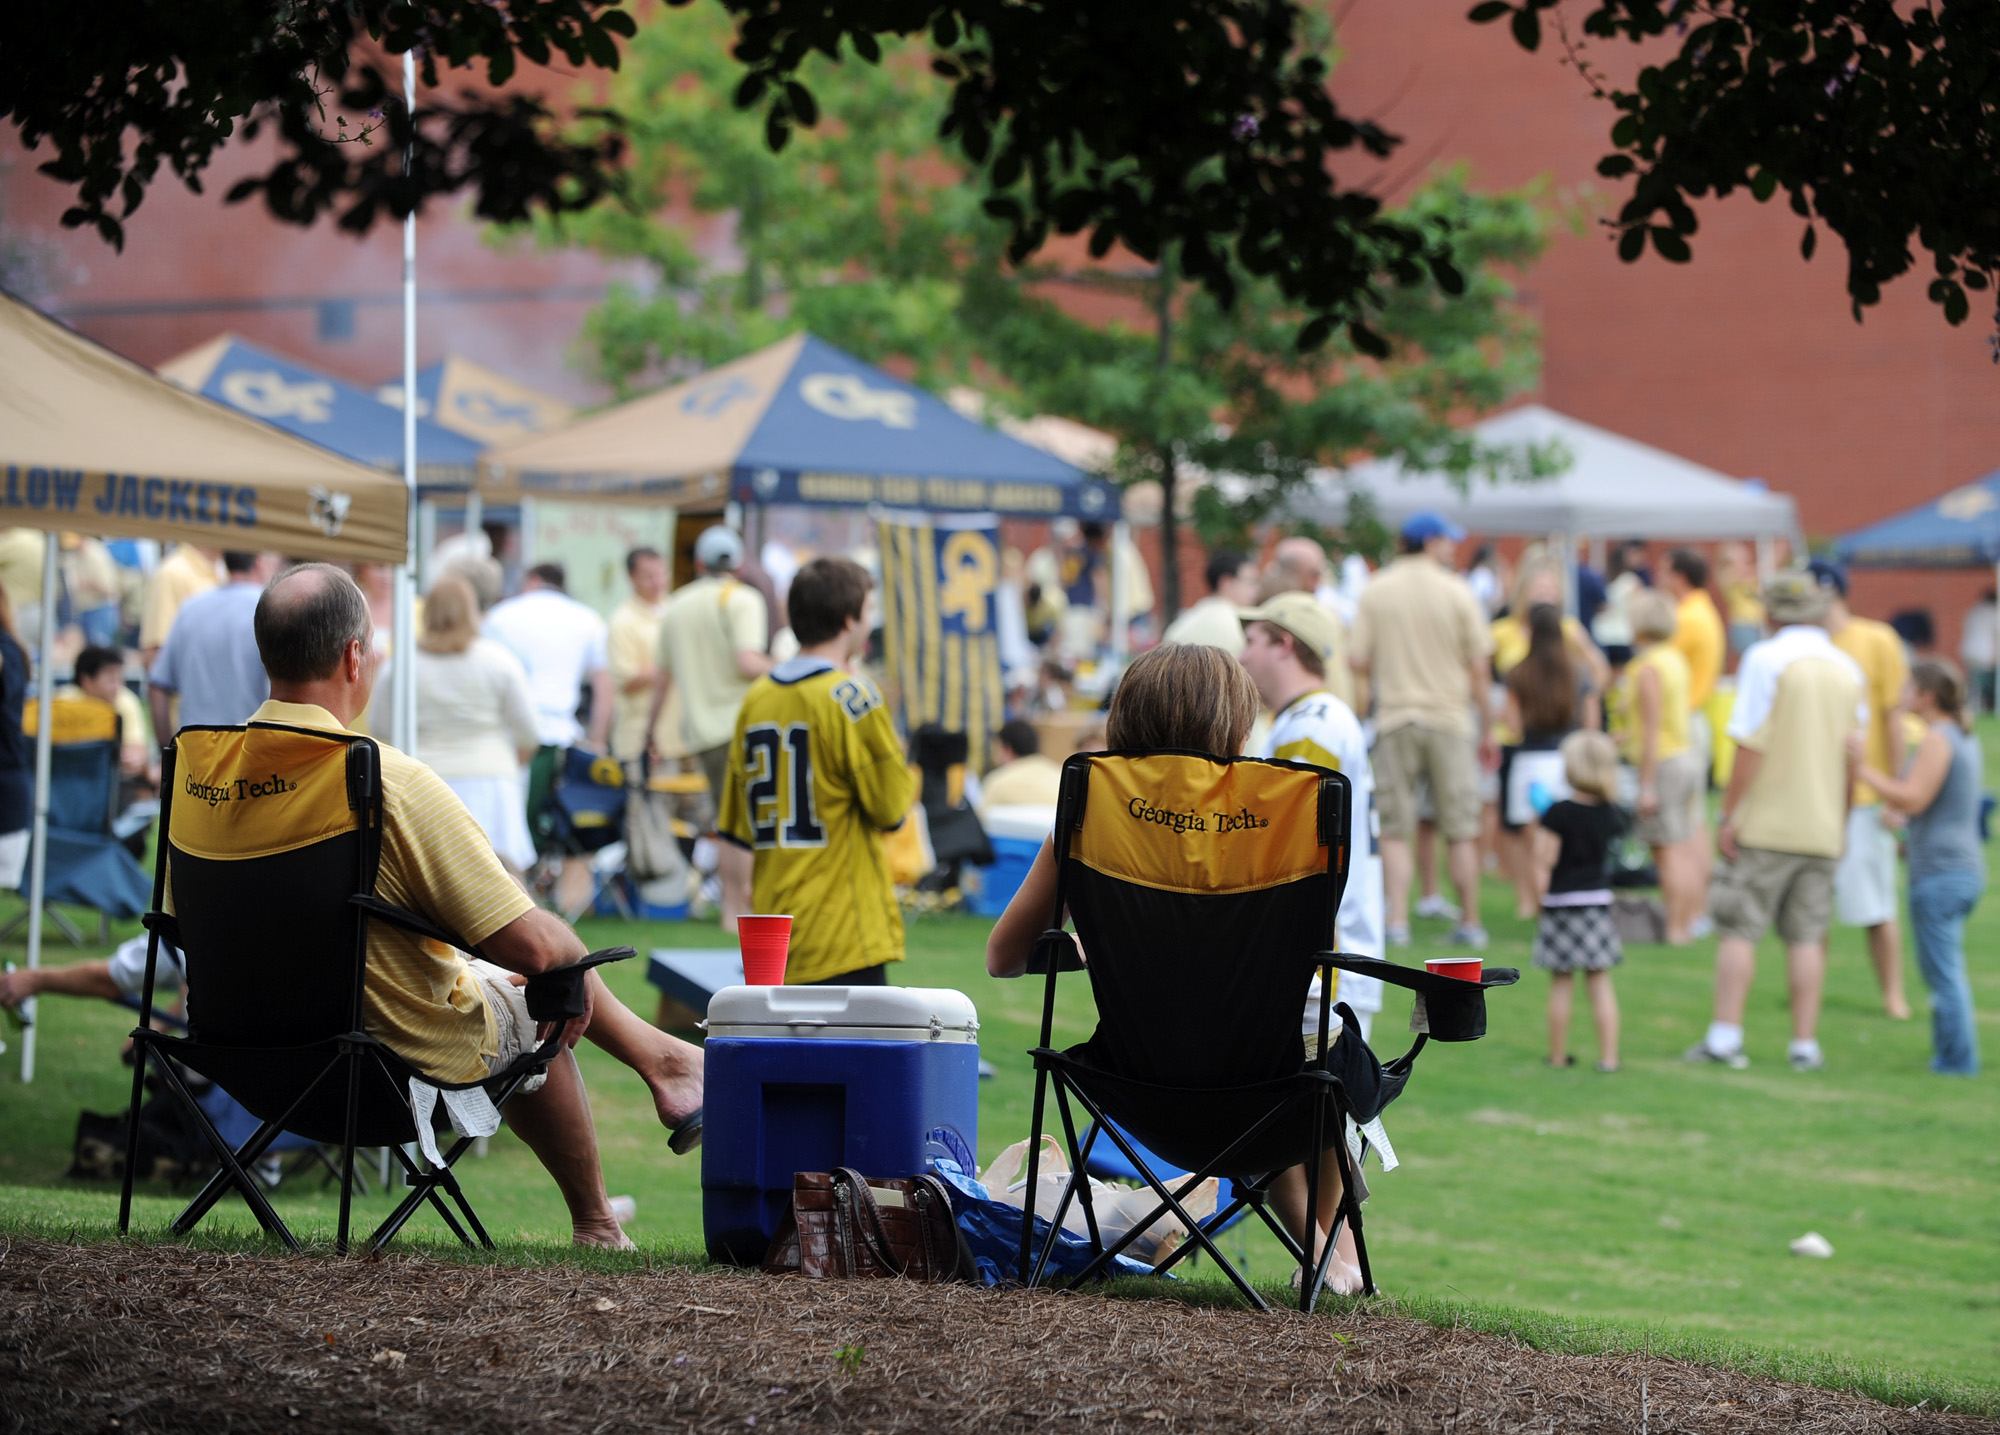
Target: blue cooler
809 1078
1017 834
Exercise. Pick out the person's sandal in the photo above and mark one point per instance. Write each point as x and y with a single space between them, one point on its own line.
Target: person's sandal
686 1136
1564 1064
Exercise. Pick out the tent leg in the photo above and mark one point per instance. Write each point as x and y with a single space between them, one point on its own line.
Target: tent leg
1121 621
38 856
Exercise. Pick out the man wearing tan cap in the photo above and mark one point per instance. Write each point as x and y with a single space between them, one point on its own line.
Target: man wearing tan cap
1289 645
1784 816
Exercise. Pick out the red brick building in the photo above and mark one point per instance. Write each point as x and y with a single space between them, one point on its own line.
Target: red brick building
1746 359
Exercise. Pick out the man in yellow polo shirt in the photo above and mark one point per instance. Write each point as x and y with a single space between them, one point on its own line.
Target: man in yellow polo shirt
452 1018
1864 888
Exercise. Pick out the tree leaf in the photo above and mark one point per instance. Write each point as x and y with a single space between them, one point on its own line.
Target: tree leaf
1527 27
1488 10
1632 243
1809 243
1670 246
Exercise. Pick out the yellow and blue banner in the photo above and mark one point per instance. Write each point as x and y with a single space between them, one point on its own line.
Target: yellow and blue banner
940 623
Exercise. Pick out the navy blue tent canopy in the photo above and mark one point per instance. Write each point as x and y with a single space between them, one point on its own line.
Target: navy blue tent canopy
1959 530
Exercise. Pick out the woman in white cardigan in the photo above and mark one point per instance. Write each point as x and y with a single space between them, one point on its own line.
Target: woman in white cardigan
475 719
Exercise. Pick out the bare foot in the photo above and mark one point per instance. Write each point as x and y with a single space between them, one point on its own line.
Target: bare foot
605 1234
676 1084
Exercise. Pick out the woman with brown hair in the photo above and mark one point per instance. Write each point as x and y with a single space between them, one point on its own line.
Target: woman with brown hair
1192 698
1548 697
475 719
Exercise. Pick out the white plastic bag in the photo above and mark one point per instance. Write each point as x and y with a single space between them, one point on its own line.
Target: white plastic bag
1117 1207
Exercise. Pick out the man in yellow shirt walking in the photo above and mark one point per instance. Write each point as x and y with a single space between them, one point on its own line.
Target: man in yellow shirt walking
1865 885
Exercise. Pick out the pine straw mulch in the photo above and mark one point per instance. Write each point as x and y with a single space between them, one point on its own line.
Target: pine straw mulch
104 1337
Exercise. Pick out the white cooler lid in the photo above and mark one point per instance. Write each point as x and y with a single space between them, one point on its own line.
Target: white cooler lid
917 1011
1028 820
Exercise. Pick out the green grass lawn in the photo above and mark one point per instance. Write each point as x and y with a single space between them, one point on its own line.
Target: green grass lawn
1661 1197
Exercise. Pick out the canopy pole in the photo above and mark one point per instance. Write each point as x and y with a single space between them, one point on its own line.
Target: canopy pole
403 640
1121 540
38 851
475 517
1566 558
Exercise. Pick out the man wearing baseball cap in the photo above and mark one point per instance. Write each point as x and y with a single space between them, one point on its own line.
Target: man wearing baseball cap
1784 815
1289 644
1864 885
1421 645
712 643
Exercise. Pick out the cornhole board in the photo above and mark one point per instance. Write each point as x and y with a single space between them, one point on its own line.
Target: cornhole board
691 975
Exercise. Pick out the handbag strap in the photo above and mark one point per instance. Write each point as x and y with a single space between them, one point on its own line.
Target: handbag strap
868 1220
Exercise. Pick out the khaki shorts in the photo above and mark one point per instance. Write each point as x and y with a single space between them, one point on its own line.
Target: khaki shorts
1679 780
513 1028
1447 760
1746 896
714 765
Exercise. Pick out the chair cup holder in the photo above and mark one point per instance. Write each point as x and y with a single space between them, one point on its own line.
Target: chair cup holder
559 995
1447 1009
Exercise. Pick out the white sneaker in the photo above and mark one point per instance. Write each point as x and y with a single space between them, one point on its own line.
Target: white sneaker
1397 936
1437 907
1699 1052
1467 935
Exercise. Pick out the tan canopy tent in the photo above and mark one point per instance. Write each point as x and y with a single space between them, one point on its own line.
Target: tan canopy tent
93 443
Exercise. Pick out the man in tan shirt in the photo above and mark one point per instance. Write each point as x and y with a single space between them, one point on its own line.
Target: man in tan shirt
1784 816
631 647
1420 647
186 571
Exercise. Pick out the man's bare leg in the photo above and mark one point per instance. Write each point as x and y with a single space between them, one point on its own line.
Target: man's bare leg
1805 968
1735 965
670 1067
1885 950
732 865
1396 860
555 1124
1464 859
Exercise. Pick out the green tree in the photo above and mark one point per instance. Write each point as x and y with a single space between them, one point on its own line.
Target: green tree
865 232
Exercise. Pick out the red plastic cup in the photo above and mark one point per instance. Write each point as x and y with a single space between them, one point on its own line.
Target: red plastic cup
1466 969
765 942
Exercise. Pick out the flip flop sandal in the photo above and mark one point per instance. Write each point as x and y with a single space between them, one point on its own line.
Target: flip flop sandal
686 1136
1564 1064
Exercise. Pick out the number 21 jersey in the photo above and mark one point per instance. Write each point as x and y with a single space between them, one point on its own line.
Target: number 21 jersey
816 775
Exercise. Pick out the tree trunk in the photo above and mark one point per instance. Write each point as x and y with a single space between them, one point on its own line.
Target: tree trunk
1170 520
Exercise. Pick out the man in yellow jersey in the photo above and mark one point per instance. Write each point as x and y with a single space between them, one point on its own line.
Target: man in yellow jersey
816 776
1864 888
454 1019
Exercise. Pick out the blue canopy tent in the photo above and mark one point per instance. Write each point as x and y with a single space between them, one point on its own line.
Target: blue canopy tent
798 422
1959 530
346 418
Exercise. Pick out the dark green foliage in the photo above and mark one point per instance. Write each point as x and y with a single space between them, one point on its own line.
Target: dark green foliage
1878 119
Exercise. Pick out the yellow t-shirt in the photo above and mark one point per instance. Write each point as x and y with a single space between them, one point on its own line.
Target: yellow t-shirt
816 776
705 625
1622 715
632 640
421 999
181 574
1698 634
1878 651
1798 802
1418 631
1033 781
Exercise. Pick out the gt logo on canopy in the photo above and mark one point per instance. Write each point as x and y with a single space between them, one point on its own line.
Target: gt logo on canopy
1965 504
847 396
265 393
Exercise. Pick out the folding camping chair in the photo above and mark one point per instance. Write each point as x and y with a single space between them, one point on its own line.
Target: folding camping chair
88 865
956 835
275 833
1205 892
586 819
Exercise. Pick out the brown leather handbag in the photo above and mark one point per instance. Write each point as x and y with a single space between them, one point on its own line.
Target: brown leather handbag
846 1226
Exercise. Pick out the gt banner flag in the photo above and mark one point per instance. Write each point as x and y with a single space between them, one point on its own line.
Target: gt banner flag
940 623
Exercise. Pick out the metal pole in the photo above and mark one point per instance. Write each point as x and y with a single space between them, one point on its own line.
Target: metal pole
38 857
403 642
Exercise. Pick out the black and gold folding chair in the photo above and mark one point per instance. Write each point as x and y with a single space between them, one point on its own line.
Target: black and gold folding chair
273 834
1205 894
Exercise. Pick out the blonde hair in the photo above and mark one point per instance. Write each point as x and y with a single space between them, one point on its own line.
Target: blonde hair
1590 764
1652 614
1185 695
451 616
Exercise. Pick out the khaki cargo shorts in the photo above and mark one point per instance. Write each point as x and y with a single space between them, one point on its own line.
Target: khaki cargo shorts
1449 761
1680 780
1762 887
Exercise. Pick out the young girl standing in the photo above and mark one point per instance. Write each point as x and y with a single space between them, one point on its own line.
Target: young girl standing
1575 931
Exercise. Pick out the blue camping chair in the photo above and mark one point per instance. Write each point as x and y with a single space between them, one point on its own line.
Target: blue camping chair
88 865
586 815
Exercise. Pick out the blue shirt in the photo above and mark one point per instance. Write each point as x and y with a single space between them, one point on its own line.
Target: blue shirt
210 657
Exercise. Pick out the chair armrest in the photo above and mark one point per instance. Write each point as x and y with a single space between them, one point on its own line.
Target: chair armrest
166 924
557 995
1448 1008
1062 944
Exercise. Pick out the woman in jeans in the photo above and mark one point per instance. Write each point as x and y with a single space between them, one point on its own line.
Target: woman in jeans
1941 793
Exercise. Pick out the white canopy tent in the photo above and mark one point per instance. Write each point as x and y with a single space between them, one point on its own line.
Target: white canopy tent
1614 487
